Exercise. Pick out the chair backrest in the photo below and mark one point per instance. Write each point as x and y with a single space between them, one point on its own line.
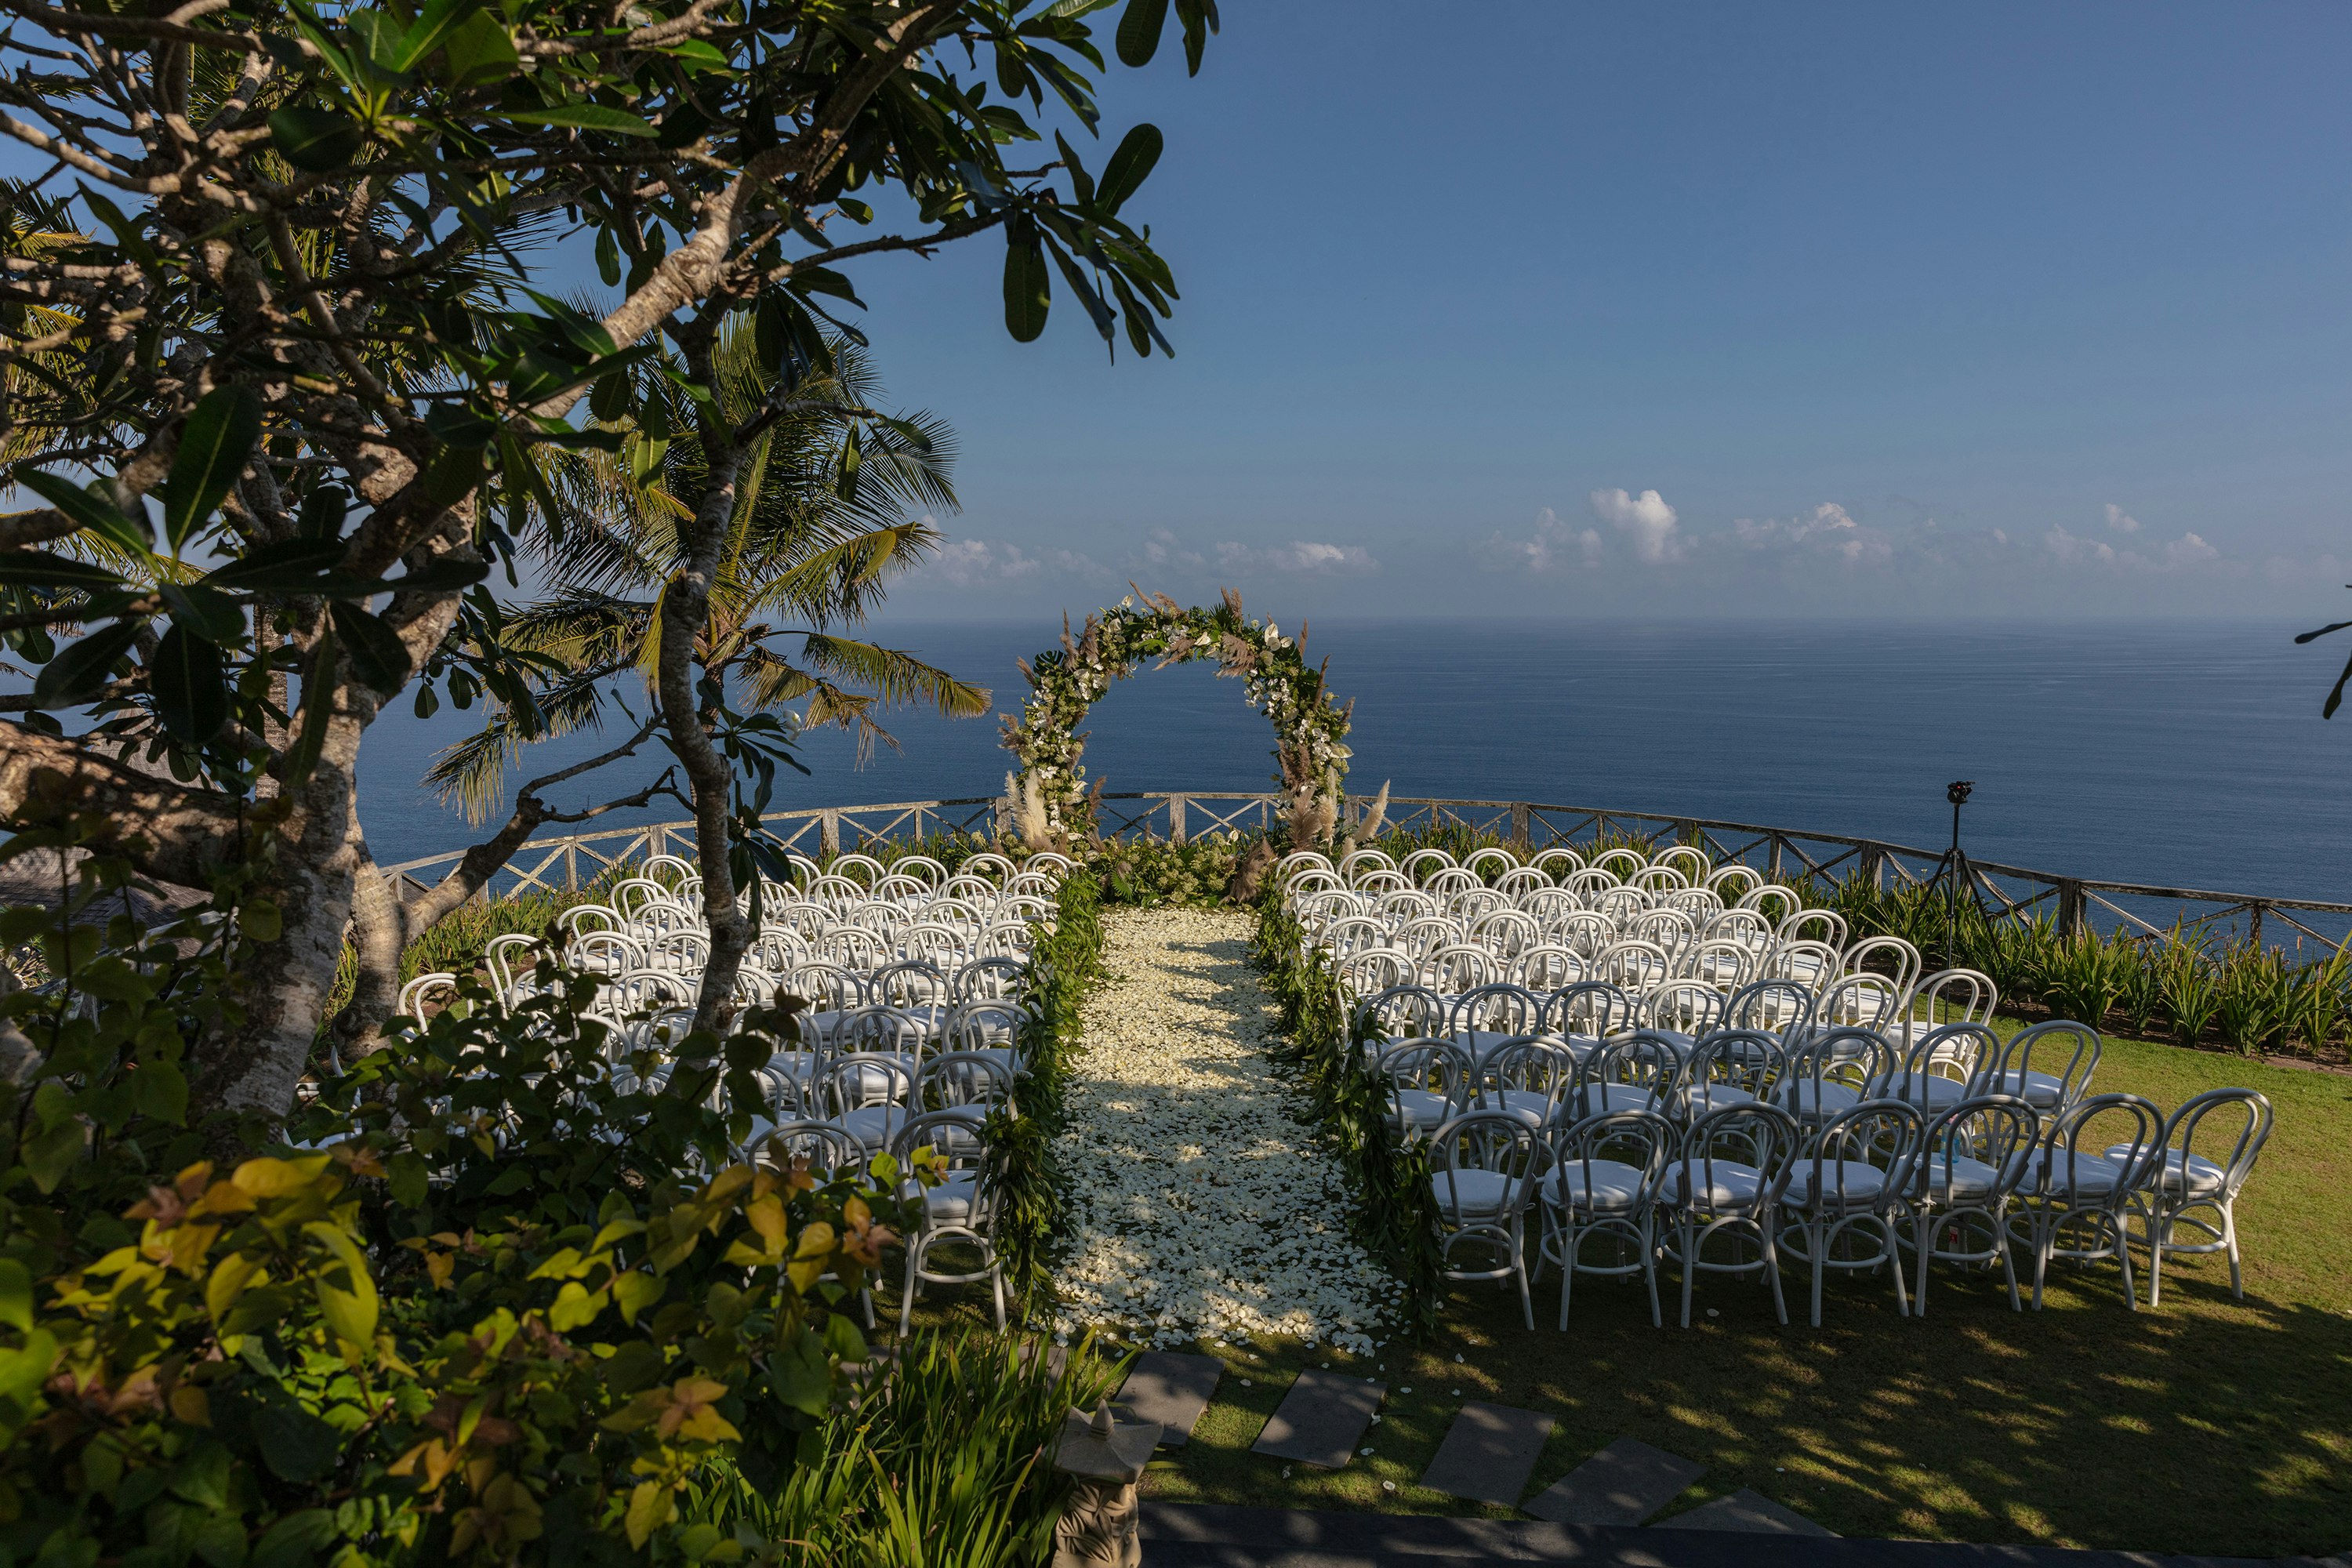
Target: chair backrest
1951 997
1670 929
1720 963
1857 1061
1398 1011
1547 966
2062 1051
594 917
1547 905
505 951
1814 925
1624 864
1588 1009
1379 879
1425 935
1521 880
1684 1007
1447 880
2078 1139
1883 1134
1364 859
1642 1140
1423 864
1586 930
1773 901
1887 954
1865 1001
1749 1061
1631 965
1687 860
1734 882
862 868
825 987
2241 1120
987 977
1964 1053
910 983
856 1080
825 1147
965 1078
1407 903
1494 1140
1374 969
961 1149
1639 1060
1998 1132
1808 962
1785 1007
1433 1066
1506 933
875 1027
439 987
1558 863
1524 1063
1458 967
854 947
902 888
1490 863
980 1024
977 891
920 866
604 953
1749 1136
988 863
1750 928
1498 1007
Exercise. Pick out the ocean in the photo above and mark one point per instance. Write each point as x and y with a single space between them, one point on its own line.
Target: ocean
2189 755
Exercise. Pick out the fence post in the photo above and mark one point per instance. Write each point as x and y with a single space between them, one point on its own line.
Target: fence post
1518 824
571 867
2070 907
2254 926
1175 819
1873 864
828 835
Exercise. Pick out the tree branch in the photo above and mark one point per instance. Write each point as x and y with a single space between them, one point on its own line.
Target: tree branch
167 831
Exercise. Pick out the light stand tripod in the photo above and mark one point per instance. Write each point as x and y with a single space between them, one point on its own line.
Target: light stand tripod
1954 873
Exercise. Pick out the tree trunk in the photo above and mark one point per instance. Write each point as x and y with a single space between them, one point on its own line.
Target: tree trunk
685 613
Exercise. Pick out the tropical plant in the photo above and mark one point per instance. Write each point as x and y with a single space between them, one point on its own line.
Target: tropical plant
2190 985
2139 984
2251 1007
2316 1004
2082 975
349 387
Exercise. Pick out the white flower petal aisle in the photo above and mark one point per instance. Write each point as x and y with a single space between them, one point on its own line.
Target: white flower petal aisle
1201 1209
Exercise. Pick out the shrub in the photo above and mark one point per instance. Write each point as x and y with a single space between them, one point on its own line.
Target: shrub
500 1303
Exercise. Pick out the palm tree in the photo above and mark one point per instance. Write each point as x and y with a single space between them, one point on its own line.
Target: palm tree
836 498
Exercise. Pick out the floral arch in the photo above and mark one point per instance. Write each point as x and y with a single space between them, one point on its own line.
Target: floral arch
1049 792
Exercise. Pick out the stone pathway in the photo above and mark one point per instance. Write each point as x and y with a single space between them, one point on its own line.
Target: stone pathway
1200 1209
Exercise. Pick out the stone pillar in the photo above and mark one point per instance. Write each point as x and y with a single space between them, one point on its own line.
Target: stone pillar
1106 1457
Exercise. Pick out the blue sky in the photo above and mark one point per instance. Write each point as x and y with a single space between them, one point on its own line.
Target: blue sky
1956 311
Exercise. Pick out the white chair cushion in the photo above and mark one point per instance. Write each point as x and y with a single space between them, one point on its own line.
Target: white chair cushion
1818 1101
1862 1182
1420 1107
1528 1105
2039 1089
1734 1186
2204 1176
2086 1174
950 1203
872 1125
1602 1098
1935 1093
1967 1181
1481 1192
1708 1097
1613 1185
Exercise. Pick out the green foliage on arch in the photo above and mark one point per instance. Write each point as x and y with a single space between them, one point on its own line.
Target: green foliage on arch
1049 794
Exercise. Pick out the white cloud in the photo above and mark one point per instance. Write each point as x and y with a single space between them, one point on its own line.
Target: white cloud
1828 529
2074 550
1555 547
2188 551
1164 549
969 563
2000 536
1645 519
2120 521
1299 555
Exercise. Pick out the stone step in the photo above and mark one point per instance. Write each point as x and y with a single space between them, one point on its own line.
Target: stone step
1321 1420
1488 1453
1624 1483
1748 1511
1170 1389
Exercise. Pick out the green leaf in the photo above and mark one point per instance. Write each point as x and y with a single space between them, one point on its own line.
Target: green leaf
801 1374
350 1305
323 509
585 116
444 576
23 1371
431 30
1080 181
287 566
851 455
159 1088
190 688
608 258
16 1295
1027 290
296 1444
94 513
213 446
204 609
460 425
1129 165
40 569
47 1155
378 657
297 1539
80 673
318 707
1139 31
481 52
321 141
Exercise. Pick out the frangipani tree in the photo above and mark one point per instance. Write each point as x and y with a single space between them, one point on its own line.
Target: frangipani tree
299 312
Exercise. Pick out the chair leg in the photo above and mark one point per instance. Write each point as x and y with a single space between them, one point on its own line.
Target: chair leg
2159 1231
2123 1255
1816 1241
1567 1234
1772 1268
1690 1269
2230 1235
914 1276
996 1284
2007 1265
2044 1236
1650 1271
1894 1267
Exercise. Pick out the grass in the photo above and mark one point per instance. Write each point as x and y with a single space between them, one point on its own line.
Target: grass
2207 1426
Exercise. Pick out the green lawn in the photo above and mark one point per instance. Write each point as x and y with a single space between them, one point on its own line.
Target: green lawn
2207 1426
